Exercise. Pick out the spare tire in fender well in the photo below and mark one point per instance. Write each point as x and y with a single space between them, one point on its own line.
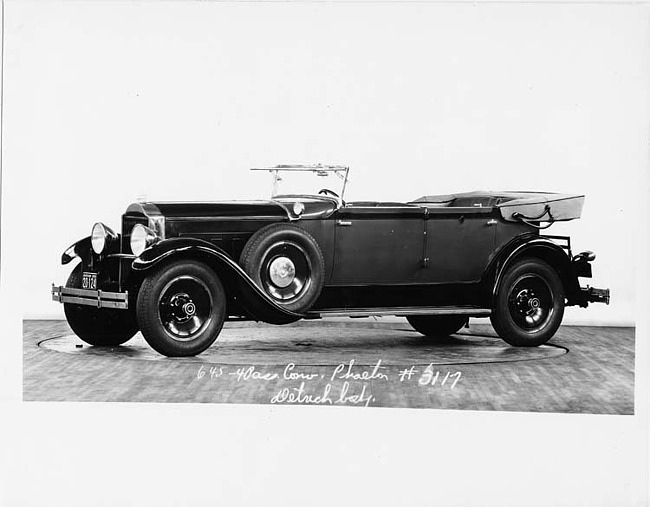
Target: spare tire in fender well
286 262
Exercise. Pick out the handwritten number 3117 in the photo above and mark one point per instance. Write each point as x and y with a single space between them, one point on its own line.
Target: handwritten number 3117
429 377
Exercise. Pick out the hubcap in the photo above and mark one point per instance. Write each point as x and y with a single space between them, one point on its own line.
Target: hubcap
282 271
189 309
185 307
285 271
531 302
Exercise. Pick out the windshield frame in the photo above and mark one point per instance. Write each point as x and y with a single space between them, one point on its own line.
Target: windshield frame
339 170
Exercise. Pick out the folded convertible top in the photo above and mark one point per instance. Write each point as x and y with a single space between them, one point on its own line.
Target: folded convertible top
514 206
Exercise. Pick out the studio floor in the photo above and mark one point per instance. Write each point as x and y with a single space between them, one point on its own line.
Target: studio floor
363 363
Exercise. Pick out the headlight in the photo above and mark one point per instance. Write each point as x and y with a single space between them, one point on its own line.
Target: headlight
101 235
141 238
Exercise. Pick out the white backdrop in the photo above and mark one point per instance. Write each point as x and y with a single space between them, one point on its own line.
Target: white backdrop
108 101
105 103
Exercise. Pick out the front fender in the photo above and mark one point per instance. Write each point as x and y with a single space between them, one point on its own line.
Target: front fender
254 299
79 249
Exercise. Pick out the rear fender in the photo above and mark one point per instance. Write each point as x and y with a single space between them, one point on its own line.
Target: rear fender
535 247
236 280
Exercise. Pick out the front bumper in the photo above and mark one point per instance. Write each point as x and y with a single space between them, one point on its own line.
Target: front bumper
96 298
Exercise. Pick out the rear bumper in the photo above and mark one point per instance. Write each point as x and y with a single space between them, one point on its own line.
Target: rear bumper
96 298
595 295
589 295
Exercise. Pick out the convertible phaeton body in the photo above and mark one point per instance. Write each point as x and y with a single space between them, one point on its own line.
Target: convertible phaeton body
178 271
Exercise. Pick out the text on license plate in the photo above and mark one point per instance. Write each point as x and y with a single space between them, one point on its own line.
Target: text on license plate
89 281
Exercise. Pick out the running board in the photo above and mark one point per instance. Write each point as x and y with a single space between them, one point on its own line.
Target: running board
471 311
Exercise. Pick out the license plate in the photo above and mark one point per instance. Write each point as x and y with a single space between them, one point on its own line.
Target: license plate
89 281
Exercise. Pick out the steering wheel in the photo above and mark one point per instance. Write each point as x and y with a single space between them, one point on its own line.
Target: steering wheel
327 191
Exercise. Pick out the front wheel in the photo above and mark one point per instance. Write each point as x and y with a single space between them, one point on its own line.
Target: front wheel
529 304
181 308
100 327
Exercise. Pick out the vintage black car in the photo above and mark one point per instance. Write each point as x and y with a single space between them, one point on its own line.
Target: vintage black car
178 271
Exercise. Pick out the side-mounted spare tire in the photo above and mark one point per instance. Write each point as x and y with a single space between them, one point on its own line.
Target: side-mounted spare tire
287 264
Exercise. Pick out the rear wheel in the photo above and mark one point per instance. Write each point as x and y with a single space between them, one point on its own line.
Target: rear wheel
437 326
529 304
99 327
181 308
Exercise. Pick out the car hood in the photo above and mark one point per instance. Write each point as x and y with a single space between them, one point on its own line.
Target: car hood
262 209
226 209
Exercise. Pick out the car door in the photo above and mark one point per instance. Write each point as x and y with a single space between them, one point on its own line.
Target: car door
459 243
378 244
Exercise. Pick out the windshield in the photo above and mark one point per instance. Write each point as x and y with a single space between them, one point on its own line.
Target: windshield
307 180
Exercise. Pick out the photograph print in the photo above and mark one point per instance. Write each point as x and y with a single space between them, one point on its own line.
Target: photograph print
335 212
431 220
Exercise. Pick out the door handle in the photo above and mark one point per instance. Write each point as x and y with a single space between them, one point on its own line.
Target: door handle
491 222
343 222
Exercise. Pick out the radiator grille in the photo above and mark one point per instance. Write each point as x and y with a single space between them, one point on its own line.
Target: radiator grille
128 221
